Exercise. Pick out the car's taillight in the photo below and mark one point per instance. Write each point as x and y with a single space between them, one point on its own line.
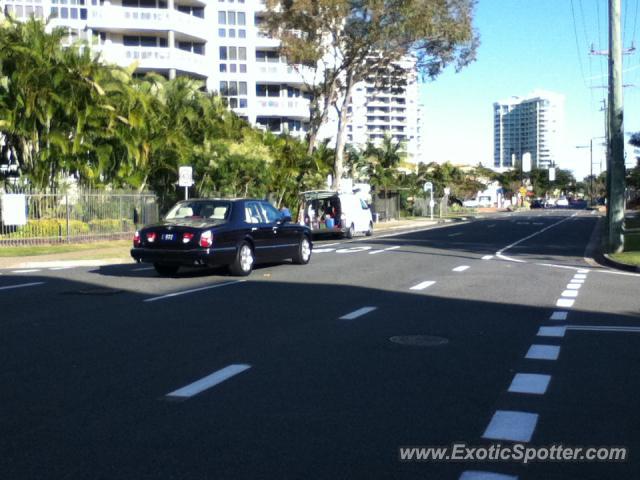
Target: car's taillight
151 237
186 238
136 239
206 239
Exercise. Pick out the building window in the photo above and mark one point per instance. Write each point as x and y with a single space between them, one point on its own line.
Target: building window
242 18
231 18
242 33
232 33
222 18
222 32
243 68
223 68
223 53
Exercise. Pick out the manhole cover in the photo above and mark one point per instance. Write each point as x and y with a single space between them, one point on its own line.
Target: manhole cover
419 340
96 291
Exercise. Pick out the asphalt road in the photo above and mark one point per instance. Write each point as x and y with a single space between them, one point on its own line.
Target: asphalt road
115 373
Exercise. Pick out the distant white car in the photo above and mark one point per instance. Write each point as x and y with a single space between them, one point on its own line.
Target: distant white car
478 202
562 202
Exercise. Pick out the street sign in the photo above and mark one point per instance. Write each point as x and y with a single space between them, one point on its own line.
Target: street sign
428 186
447 191
552 174
526 162
185 176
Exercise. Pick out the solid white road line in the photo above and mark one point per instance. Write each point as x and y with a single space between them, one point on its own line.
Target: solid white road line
511 426
21 285
487 257
60 268
570 294
558 315
500 253
565 303
384 250
358 313
193 290
422 285
478 475
461 268
543 352
551 331
329 244
603 328
574 286
532 383
323 250
28 270
208 381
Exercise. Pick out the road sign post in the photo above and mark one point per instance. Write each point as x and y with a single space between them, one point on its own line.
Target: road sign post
429 187
185 179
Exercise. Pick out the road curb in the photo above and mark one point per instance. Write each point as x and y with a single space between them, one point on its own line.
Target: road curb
595 253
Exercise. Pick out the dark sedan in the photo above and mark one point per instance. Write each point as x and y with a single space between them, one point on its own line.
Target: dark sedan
210 232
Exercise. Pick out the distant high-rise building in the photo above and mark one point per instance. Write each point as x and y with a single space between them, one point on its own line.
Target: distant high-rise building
391 111
532 124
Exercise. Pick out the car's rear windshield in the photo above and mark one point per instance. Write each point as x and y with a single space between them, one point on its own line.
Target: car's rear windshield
213 209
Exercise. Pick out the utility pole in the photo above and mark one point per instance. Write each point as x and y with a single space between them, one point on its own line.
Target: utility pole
615 158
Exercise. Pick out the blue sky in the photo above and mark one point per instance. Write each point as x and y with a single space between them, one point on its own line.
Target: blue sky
528 45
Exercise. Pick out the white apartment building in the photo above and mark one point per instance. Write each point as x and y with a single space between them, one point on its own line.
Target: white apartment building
533 124
220 42
379 112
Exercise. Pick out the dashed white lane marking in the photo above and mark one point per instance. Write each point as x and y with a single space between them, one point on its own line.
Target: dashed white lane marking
358 313
142 269
558 315
522 223
543 352
580 276
538 224
574 286
491 226
478 475
28 270
193 290
455 234
603 328
461 268
570 293
330 244
209 381
565 302
532 383
583 270
487 257
551 331
511 426
577 280
323 250
353 249
21 285
422 285
384 250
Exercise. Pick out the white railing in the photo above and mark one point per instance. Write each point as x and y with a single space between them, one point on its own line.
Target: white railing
161 19
284 107
155 58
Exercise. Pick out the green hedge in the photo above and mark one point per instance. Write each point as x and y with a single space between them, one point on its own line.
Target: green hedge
111 225
51 227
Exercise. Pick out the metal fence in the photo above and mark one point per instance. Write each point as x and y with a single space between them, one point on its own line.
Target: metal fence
386 207
39 218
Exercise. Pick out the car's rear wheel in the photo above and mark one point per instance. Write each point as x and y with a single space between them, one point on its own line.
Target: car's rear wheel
303 255
243 263
369 232
351 232
166 270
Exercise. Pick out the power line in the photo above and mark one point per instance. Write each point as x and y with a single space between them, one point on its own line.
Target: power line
575 31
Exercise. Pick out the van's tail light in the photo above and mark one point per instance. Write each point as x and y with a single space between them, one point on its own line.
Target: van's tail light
186 238
151 237
206 239
136 239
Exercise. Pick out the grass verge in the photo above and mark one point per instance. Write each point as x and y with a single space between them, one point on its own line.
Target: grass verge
631 254
34 250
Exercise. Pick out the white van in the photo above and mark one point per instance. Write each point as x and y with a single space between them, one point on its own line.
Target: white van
326 211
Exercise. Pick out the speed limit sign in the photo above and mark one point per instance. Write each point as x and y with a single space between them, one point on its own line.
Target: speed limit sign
185 176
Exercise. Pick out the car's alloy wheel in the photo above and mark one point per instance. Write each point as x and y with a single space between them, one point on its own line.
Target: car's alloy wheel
243 263
304 251
351 232
166 270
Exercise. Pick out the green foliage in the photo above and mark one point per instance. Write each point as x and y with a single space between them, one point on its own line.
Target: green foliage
48 227
111 225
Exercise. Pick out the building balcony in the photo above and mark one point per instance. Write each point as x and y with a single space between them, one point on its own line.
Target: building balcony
283 107
281 73
155 58
116 18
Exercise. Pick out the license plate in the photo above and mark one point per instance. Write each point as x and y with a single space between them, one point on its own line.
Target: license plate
168 236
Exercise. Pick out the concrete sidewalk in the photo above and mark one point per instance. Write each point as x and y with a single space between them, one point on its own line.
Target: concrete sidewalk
120 254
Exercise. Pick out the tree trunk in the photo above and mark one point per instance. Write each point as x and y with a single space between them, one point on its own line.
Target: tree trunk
338 162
